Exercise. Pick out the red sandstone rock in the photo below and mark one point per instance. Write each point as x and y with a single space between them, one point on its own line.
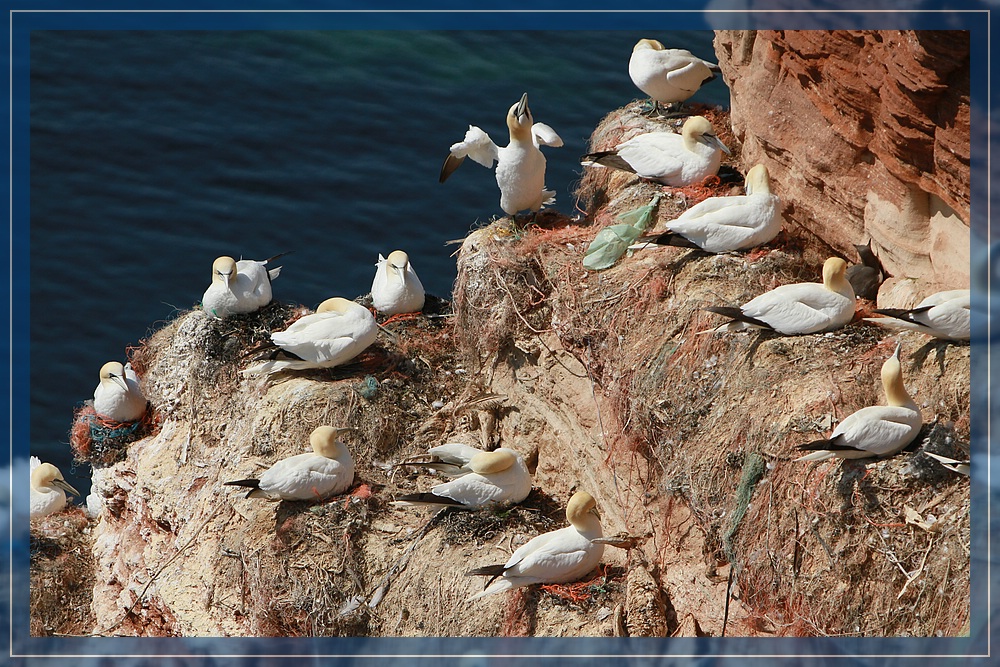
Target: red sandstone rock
865 134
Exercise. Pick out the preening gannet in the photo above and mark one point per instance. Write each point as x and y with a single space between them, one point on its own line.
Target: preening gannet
724 224
118 395
238 287
800 308
48 489
668 75
555 557
496 477
520 164
337 332
878 430
942 315
673 159
396 288
326 471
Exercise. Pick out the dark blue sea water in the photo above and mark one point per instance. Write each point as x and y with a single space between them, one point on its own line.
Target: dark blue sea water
152 153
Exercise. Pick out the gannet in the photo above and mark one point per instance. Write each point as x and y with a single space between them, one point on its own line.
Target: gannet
118 396
866 277
238 287
326 471
450 459
673 159
800 308
878 430
337 332
961 467
396 288
724 224
555 557
943 315
520 165
496 477
668 75
48 489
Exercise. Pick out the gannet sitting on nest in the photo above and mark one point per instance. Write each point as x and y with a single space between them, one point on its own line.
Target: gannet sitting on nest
799 308
326 471
520 165
724 224
337 332
668 76
118 396
493 478
48 489
673 159
556 557
238 287
396 288
879 430
943 315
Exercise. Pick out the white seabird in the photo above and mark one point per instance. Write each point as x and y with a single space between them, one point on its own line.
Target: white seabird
48 489
238 287
556 557
118 396
520 168
668 76
672 159
326 471
724 224
961 467
337 332
943 315
396 288
799 308
879 430
496 477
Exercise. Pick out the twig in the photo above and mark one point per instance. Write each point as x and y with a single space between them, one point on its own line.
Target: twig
401 563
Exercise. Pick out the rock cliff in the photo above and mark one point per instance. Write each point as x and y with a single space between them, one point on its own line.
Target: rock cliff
868 134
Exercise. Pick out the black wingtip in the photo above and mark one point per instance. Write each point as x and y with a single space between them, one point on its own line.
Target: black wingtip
832 444
249 483
428 498
737 314
671 239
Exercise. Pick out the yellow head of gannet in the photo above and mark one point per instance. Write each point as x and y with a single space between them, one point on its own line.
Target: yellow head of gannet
224 270
879 430
48 490
555 557
118 396
326 471
698 130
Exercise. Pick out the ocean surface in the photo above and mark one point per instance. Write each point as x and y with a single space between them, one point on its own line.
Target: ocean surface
154 152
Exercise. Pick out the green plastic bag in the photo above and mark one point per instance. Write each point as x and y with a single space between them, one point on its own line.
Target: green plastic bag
612 241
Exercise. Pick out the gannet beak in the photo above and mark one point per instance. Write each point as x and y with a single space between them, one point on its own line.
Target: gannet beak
713 141
344 429
118 380
594 511
896 353
522 106
65 486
